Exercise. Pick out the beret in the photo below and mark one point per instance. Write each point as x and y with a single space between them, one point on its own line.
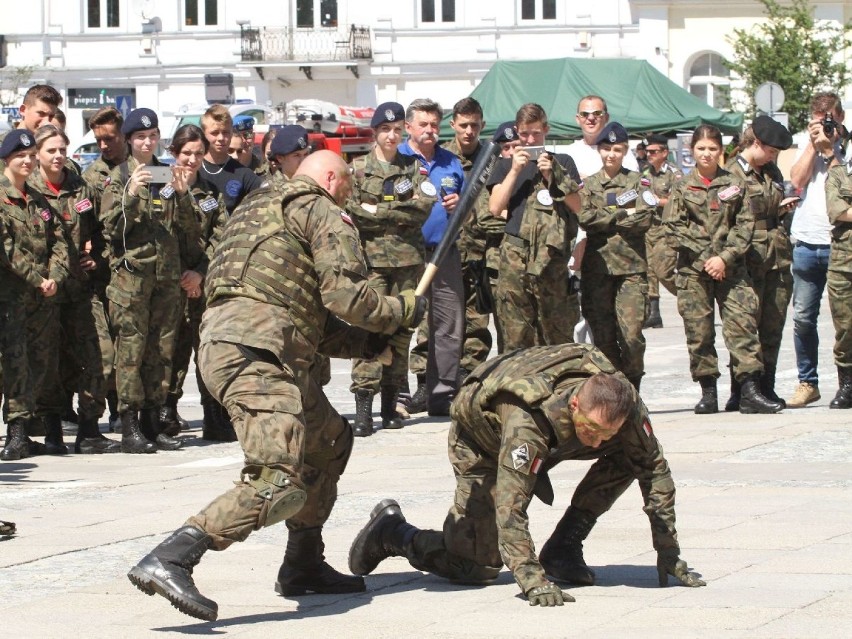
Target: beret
15 141
506 132
656 138
288 139
771 132
613 133
387 112
140 119
243 123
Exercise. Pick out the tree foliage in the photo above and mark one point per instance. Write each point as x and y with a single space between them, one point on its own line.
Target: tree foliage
12 80
803 55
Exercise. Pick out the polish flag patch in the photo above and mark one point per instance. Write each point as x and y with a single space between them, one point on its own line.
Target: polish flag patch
536 466
647 428
345 217
83 205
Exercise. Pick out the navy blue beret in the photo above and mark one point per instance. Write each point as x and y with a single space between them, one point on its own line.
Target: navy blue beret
243 123
387 112
290 138
140 119
613 133
15 141
506 132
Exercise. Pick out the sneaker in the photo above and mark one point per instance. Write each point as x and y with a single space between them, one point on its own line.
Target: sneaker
805 394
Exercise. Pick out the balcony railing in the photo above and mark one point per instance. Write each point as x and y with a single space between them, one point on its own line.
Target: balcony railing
282 44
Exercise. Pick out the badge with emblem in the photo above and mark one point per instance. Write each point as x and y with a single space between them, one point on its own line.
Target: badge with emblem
612 137
508 133
25 140
146 121
83 205
544 197
649 198
45 215
428 189
208 204
302 143
521 456
167 191
389 116
728 193
626 197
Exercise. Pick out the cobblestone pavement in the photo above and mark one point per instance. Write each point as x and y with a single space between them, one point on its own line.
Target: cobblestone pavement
764 514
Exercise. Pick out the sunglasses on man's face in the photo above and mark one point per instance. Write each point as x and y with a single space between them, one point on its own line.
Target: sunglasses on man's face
587 114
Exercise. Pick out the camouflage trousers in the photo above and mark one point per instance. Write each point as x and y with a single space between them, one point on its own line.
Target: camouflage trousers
283 421
773 290
477 336
144 315
840 302
419 352
615 307
43 344
533 310
187 342
737 302
16 380
88 354
368 374
662 262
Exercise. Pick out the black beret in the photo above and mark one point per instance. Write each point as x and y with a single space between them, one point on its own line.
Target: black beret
506 132
613 133
387 112
290 138
15 141
140 119
656 138
243 123
771 133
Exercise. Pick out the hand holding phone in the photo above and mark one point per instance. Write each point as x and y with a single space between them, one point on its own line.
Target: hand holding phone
789 201
534 152
159 174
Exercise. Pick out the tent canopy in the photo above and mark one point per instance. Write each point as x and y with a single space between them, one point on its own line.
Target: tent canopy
638 96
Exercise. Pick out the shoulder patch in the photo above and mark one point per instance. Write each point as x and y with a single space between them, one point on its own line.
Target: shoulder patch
345 217
525 459
167 191
728 193
627 196
208 204
646 426
428 188
83 205
649 198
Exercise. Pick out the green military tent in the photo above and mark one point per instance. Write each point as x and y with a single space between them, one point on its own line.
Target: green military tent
638 96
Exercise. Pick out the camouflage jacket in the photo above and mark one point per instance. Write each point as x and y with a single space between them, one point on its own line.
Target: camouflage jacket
770 245
616 213
77 207
661 183
543 379
289 273
198 242
97 175
838 198
391 236
707 221
34 246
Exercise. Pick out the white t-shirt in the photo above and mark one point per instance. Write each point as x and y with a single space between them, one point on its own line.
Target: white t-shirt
589 162
810 222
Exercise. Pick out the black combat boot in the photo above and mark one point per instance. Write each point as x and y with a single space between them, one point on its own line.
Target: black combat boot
114 417
169 423
132 439
419 401
91 442
390 419
709 402
751 399
217 426
70 419
655 320
767 385
562 554
387 534
167 571
149 423
363 425
843 399
733 403
304 569
53 443
17 445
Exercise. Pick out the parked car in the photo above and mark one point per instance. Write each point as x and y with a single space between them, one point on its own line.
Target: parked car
87 151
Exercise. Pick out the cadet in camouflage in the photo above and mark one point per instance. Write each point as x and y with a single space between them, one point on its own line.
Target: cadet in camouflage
616 212
288 278
514 416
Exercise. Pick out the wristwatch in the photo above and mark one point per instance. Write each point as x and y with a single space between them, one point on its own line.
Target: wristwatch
828 157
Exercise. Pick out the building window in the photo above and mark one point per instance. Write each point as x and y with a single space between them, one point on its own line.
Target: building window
201 12
710 80
538 9
448 11
102 13
310 13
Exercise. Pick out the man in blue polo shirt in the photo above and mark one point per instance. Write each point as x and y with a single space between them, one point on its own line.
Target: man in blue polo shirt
446 295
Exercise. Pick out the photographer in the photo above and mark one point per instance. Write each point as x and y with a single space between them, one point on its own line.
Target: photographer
811 232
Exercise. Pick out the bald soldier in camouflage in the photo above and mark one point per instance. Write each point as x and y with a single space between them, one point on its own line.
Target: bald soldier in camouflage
514 415
287 278
615 213
390 202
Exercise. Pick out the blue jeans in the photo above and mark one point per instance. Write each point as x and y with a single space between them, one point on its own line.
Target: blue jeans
810 266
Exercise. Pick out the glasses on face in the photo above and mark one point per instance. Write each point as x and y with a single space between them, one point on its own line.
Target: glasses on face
654 151
587 114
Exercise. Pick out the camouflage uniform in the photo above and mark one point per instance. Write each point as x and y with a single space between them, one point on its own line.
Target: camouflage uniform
510 418
87 353
144 290
838 191
474 241
288 278
662 259
615 214
769 255
703 222
533 303
392 244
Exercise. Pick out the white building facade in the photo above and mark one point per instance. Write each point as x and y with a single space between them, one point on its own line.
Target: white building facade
166 54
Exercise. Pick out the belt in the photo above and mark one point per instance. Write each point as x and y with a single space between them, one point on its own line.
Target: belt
813 247
766 225
515 240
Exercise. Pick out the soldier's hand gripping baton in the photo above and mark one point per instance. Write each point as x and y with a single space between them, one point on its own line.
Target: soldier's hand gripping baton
474 183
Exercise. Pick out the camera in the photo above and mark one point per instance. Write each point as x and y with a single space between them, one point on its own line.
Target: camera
829 126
